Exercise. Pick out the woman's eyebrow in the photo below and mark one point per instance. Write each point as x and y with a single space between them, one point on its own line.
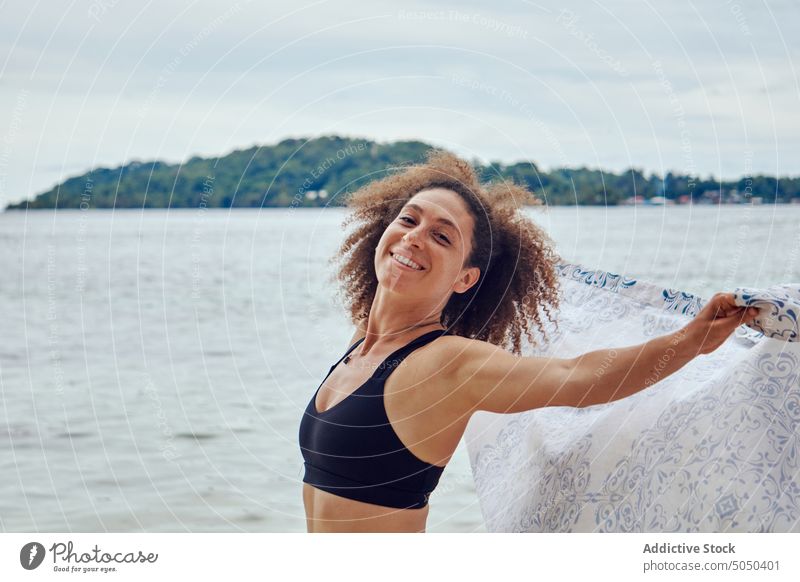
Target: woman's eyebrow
439 219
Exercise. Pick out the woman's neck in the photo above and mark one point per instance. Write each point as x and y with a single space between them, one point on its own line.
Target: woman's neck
391 322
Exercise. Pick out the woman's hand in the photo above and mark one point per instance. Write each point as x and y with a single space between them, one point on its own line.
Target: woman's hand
718 320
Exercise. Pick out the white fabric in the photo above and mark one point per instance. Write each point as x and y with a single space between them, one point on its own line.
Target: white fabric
714 447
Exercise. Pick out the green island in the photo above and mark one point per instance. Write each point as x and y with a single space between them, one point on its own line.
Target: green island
318 172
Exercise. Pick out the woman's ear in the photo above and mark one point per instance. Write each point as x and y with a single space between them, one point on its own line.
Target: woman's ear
467 279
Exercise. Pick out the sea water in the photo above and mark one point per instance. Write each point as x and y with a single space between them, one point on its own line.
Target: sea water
155 365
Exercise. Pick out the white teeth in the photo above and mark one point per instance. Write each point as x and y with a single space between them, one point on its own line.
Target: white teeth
407 262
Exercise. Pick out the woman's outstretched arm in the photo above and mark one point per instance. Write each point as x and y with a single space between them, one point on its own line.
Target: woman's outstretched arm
498 381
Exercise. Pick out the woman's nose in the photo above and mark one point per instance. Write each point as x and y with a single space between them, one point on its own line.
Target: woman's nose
411 237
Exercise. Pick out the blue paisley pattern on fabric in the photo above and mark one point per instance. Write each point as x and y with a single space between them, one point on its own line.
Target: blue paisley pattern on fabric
778 309
714 447
609 281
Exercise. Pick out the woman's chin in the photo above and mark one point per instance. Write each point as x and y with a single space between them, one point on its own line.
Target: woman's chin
397 281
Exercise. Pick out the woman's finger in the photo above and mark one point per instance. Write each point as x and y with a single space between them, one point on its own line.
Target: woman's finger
741 316
729 302
751 314
747 314
722 310
737 311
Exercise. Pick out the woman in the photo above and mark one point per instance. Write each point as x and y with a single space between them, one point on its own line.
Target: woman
440 275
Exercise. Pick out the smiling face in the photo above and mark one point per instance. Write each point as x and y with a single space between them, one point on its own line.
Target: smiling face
423 250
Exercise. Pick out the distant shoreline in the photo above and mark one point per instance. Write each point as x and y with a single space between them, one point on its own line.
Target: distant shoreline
217 210
321 172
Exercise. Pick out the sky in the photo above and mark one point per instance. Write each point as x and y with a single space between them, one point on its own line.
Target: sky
708 87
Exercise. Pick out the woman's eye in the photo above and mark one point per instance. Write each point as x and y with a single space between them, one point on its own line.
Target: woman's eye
411 221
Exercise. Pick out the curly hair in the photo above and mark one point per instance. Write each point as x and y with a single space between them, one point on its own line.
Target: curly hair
518 279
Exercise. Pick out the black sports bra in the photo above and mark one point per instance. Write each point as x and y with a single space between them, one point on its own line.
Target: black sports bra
351 449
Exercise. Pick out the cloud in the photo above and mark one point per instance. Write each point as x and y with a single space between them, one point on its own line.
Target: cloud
609 85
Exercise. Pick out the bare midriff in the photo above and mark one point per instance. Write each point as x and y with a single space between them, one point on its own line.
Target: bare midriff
326 512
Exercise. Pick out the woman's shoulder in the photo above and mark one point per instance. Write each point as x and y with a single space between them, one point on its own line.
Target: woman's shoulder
449 367
451 354
464 348
448 352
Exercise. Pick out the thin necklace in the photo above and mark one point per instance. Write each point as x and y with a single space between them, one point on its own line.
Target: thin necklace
350 355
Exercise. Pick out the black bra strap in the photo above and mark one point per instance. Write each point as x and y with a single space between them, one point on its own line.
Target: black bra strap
399 355
330 371
350 349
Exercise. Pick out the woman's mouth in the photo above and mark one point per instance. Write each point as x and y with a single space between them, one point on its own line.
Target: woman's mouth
406 263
